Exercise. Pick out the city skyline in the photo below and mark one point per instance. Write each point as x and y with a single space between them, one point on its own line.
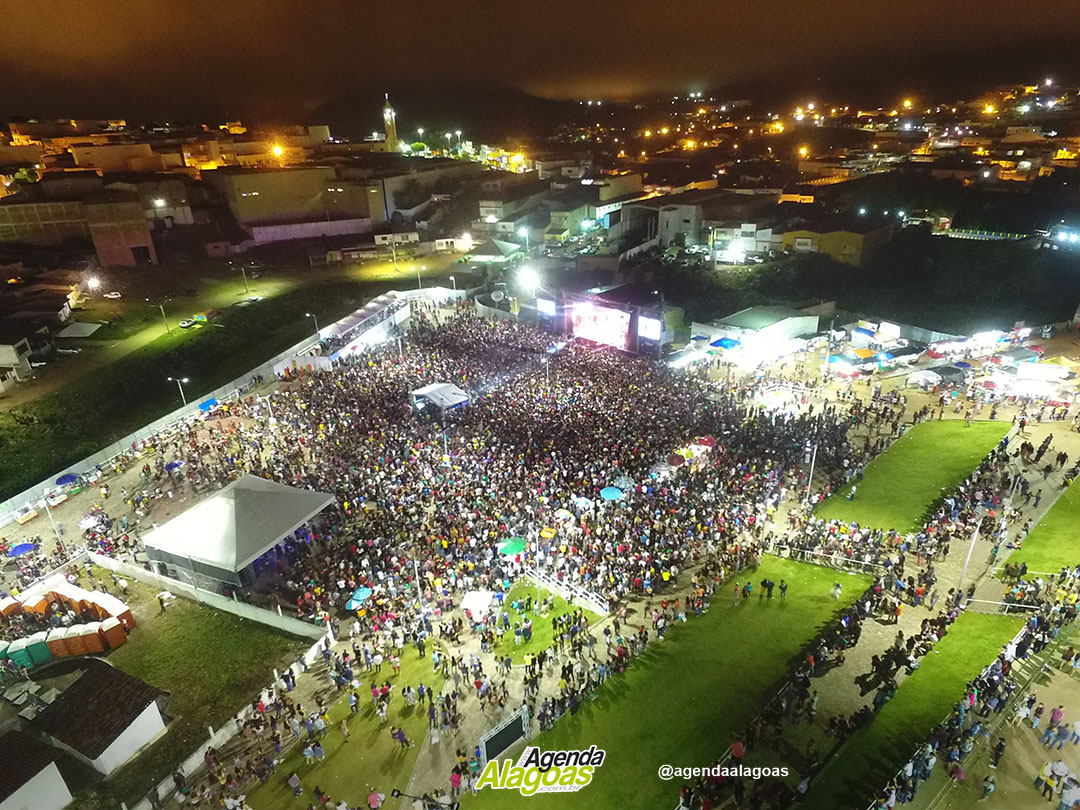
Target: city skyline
187 60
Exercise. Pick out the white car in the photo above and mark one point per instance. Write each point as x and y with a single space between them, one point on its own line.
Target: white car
187 323
112 295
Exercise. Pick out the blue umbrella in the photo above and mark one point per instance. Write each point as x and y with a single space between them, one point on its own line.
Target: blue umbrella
19 550
962 364
66 479
206 406
174 465
360 595
611 493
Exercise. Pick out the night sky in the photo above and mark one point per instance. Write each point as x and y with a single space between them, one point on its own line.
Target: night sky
190 58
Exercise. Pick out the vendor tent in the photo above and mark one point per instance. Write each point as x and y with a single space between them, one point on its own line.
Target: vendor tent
950 374
222 536
477 603
442 395
923 378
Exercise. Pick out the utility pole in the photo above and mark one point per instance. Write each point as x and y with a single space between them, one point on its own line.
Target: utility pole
810 479
971 548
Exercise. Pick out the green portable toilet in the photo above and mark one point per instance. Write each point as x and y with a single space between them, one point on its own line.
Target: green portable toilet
18 654
38 649
3 649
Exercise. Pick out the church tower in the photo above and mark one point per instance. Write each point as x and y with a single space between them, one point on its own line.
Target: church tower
390 125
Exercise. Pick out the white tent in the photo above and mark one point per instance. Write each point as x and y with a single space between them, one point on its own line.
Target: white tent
923 379
478 603
227 532
442 395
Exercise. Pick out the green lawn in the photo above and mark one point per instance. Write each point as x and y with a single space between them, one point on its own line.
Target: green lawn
1052 543
875 753
211 662
541 625
368 758
927 462
682 701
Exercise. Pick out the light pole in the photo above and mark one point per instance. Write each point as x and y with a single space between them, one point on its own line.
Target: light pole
449 142
452 281
971 548
524 231
243 272
419 283
161 306
308 314
810 479
180 384
458 133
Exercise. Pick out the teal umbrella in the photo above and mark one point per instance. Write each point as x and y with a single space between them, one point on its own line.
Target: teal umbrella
511 547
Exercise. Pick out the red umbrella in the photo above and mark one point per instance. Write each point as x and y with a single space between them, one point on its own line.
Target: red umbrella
707 441
989 384
675 460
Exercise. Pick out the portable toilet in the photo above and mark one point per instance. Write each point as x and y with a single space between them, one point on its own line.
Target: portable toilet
57 643
18 654
74 640
3 649
9 606
38 648
92 638
36 604
113 630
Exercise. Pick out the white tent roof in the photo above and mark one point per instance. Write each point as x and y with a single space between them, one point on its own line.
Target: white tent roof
239 524
442 395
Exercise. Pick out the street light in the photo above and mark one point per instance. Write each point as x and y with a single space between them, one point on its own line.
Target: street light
458 133
524 231
180 384
93 282
452 281
419 284
308 314
161 306
529 279
420 131
244 274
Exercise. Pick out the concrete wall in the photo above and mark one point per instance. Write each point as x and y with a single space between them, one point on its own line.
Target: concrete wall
46 791
143 731
265 234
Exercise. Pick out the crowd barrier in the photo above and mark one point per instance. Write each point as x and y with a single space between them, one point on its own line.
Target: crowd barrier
574 594
826 560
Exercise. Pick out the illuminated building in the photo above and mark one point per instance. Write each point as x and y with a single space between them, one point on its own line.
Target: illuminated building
390 126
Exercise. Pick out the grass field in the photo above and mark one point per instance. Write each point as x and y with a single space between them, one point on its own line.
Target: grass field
1052 543
368 757
211 662
875 753
541 624
683 700
927 462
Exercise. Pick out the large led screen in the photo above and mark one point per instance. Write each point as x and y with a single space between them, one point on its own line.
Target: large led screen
600 324
650 328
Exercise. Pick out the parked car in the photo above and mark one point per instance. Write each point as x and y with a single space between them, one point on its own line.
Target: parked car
112 296
187 323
